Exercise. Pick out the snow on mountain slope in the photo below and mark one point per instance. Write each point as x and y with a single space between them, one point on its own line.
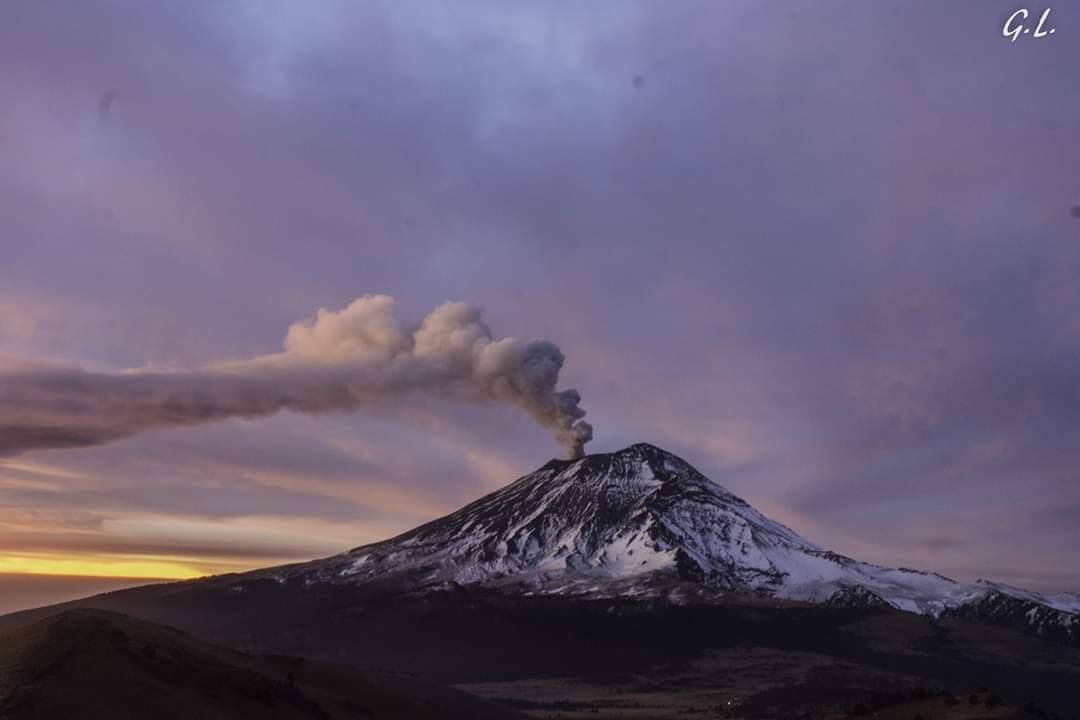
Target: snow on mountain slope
1064 602
643 522
1054 617
631 514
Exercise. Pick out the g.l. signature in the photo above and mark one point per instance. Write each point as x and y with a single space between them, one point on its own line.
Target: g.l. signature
1017 25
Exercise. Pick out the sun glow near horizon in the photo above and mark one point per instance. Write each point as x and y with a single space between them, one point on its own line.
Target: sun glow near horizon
106 566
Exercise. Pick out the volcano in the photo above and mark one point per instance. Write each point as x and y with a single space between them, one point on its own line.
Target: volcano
622 565
644 523
638 524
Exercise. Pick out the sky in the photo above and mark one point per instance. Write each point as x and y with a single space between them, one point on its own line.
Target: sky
827 253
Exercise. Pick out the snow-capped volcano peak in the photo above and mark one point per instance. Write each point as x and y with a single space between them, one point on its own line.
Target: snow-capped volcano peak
608 516
642 521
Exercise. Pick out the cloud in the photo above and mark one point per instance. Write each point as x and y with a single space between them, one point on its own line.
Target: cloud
358 358
841 304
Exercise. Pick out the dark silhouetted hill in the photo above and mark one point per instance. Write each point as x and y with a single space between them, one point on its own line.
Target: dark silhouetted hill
91 664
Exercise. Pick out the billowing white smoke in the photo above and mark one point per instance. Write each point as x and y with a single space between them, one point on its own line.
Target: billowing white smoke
358 358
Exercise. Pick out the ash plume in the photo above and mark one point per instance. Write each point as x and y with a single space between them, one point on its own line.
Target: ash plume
359 358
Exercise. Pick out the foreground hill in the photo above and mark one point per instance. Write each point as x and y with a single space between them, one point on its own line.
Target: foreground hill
96 664
545 655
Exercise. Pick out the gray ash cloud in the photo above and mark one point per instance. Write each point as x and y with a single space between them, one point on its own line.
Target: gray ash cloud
360 358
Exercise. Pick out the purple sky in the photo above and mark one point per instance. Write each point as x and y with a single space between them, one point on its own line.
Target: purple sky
823 251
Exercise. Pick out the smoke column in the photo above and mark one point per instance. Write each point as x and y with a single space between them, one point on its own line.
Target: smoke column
355 359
